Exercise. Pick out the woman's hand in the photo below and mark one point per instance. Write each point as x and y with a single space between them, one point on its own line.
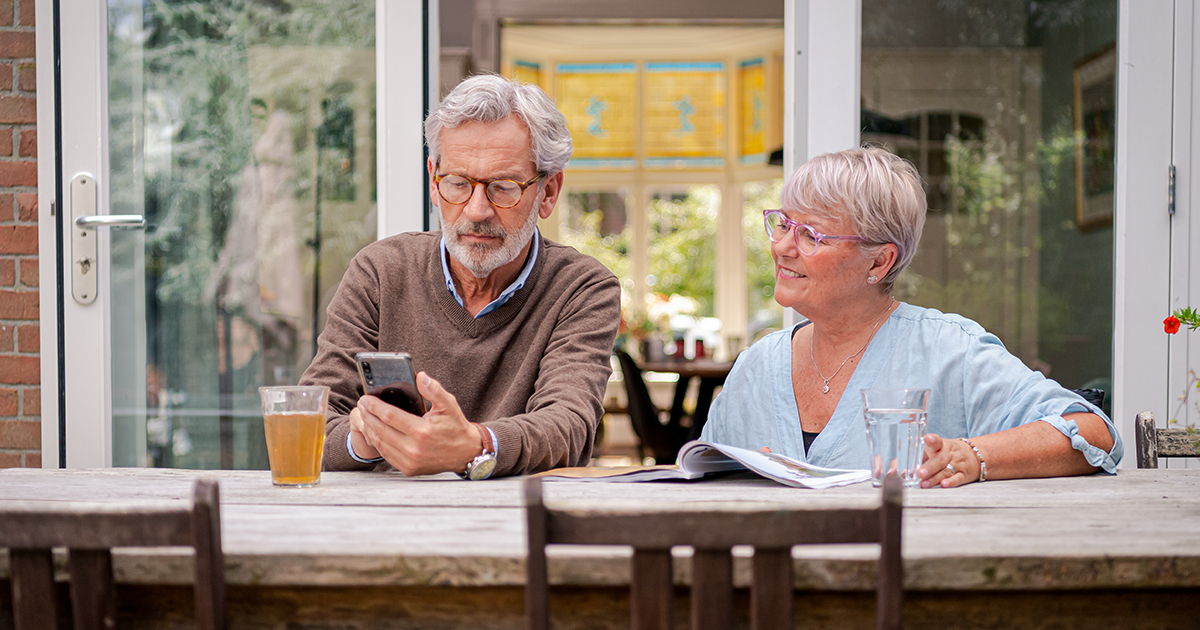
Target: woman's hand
948 463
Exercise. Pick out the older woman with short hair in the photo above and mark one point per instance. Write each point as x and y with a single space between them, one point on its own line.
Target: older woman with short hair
850 224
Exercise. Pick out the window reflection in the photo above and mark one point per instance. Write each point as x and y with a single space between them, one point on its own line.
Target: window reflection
244 133
979 97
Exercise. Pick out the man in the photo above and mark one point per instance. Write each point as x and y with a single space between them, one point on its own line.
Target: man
512 332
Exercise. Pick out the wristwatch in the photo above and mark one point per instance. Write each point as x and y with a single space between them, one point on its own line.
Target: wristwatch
485 463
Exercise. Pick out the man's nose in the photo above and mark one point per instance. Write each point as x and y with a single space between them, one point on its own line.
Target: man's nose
479 208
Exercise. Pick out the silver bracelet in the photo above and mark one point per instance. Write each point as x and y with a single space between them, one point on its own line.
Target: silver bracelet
982 464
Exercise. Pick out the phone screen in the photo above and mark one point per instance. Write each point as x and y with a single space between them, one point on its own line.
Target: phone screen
390 376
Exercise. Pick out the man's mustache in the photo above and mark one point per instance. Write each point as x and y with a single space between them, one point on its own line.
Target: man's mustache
468 226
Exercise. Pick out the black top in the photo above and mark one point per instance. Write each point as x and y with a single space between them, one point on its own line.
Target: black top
808 436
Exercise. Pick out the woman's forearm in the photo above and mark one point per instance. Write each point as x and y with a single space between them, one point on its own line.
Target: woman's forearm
1038 449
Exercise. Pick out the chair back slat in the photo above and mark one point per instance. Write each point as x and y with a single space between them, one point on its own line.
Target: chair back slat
889 596
34 601
771 589
93 598
89 532
1152 443
775 527
712 533
712 589
209 586
537 583
651 590
94 529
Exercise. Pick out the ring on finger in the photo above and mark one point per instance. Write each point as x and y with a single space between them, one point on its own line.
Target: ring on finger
950 468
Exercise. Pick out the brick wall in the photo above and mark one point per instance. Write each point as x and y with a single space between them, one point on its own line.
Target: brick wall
20 394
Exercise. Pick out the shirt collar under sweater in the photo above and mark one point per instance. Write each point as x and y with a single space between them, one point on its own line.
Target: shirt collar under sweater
507 293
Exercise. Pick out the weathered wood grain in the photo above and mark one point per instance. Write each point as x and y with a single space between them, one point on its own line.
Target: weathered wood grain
1139 529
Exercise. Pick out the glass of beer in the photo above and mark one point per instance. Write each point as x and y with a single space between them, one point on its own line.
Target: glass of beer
294 419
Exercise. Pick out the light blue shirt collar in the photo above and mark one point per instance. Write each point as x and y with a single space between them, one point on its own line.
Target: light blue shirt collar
507 293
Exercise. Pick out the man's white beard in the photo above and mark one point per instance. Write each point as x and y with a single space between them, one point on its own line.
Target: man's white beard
482 259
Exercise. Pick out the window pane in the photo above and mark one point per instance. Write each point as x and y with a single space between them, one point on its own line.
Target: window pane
683 245
596 224
992 87
764 314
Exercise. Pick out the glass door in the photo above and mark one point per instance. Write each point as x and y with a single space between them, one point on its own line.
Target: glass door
247 137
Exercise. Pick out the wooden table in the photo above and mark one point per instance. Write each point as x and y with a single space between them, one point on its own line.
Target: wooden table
380 550
711 374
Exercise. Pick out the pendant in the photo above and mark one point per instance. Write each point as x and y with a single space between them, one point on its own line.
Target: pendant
825 390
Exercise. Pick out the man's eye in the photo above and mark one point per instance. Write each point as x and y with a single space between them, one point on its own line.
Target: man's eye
506 188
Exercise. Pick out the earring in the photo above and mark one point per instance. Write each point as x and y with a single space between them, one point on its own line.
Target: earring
873 279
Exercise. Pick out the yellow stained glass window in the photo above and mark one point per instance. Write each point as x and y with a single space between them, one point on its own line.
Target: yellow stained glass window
754 111
684 105
598 101
527 72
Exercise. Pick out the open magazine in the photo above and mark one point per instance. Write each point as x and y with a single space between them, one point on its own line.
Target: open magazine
697 459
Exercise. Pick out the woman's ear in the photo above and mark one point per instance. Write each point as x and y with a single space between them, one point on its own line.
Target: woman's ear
883 261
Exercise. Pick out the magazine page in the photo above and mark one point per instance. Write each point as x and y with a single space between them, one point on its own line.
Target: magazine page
704 457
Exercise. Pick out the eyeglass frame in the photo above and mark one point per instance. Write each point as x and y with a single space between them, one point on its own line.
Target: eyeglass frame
790 226
437 185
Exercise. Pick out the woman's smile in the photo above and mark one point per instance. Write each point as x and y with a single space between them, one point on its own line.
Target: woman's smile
788 273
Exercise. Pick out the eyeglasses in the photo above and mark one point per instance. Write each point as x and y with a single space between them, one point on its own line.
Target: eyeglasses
807 237
502 193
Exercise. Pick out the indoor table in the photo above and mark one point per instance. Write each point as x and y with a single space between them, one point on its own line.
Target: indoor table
711 374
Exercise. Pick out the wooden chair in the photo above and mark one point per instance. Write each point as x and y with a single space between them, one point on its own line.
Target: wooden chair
89 532
662 440
711 533
1152 442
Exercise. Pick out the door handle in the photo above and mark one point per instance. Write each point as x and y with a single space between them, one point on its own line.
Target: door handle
83 238
110 220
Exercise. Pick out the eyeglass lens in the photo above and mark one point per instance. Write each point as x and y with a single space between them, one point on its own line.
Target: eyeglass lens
806 239
503 193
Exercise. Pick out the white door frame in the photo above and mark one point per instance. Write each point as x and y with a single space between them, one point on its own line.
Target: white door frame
1183 349
78 381
822 61
1141 223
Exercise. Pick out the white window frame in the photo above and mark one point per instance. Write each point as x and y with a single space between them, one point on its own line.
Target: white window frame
406 58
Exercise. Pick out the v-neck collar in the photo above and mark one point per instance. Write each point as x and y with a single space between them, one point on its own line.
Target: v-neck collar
845 421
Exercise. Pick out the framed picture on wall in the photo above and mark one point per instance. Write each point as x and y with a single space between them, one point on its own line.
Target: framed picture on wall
1095 137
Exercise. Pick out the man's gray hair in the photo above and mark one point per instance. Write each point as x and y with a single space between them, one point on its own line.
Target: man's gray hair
489 98
879 192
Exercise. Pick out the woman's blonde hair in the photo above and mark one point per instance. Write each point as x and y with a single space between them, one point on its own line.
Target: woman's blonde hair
878 191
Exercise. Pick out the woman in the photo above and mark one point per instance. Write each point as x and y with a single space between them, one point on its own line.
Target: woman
850 224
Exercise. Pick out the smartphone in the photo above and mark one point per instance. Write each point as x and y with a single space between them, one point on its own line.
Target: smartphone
390 377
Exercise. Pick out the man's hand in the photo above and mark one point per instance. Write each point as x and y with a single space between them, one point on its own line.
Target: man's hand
440 441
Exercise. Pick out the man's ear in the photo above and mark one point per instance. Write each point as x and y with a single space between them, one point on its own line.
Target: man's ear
551 189
433 193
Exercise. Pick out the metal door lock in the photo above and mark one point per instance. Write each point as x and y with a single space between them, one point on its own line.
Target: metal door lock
84 203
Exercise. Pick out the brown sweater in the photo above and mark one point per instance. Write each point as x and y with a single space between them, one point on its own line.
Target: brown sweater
533 370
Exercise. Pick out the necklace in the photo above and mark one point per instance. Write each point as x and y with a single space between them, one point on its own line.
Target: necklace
812 340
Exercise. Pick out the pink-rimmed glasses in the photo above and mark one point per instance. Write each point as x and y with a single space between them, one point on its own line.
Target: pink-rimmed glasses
806 236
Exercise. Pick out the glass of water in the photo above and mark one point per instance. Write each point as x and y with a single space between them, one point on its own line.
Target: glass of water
895 423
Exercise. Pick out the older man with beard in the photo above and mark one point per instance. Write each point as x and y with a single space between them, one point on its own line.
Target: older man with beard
512 332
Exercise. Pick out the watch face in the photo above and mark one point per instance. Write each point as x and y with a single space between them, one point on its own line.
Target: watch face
482 469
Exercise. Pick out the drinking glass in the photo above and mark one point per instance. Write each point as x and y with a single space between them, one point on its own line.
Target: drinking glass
294 420
895 423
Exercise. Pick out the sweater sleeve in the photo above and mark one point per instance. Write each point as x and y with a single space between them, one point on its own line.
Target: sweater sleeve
561 417
352 326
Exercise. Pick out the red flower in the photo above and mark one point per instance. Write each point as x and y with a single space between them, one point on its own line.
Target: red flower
1171 325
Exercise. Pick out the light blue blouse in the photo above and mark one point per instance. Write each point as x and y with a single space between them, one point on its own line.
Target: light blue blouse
977 388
